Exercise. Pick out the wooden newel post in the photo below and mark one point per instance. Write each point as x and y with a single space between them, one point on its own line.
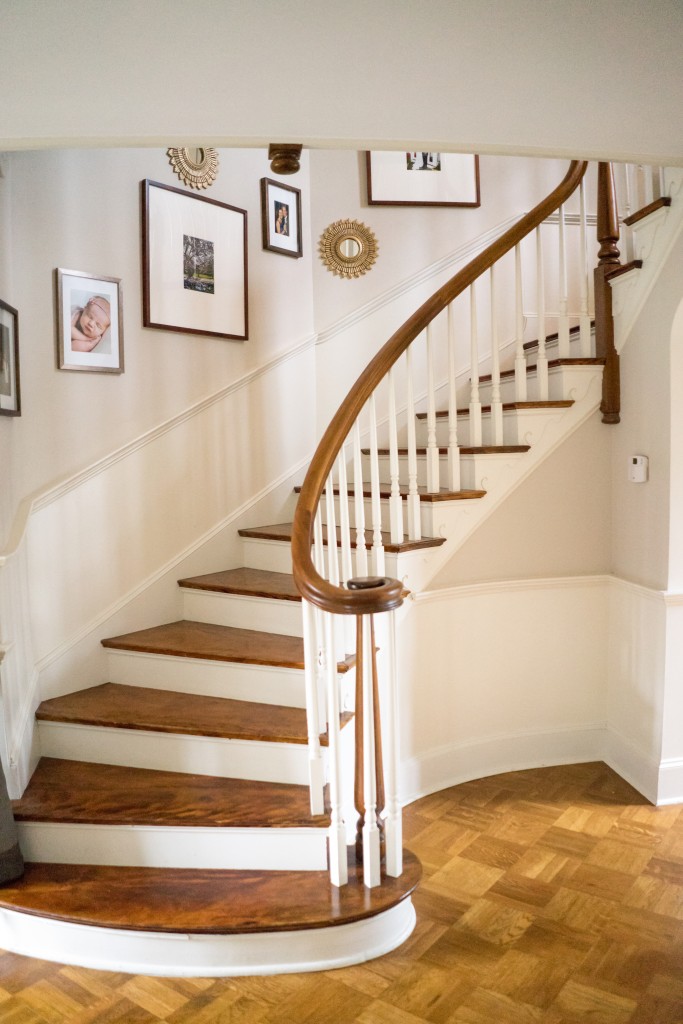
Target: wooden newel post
608 260
368 791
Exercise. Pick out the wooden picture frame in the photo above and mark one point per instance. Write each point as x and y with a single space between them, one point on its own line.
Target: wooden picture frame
194 263
10 395
422 179
89 317
281 218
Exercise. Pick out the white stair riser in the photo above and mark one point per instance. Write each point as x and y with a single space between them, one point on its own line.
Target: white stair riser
265 684
426 516
564 382
243 611
520 426
267 849
272 555
474 469
174 752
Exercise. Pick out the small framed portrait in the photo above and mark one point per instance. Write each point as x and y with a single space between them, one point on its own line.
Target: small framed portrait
89 322
10 401
194 263
281 218
422 179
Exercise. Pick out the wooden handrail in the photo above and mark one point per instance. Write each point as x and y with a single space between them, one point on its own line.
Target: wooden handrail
386 594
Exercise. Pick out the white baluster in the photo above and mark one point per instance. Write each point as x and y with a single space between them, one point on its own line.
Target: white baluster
626 208
375 500
332 548
413 501
475 400
318 543
337 831
432 448
395 501
314 716
585 318
371 836
563 323
542 360
453 447
359 505
344 527
520 357
649 185
393 828
496 403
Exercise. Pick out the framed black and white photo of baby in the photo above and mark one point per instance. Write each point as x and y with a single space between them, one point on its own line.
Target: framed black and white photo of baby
194 263
281 218
10 401
89 322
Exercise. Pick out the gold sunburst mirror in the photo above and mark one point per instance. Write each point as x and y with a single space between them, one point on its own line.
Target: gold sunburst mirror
348 248
195 167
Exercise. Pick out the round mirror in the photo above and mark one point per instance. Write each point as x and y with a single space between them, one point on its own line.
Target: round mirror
194 166
348 248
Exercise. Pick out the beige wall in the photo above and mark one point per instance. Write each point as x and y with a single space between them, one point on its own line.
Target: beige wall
517 76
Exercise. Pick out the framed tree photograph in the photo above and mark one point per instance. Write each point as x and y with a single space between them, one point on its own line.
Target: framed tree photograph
89 322
281 218
422 179
10 400
194 263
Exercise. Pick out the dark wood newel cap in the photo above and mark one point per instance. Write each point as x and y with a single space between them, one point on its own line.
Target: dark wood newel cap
285 157
367 582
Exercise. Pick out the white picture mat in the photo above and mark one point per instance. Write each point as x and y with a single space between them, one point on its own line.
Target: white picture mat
8 373
392 182
170 216
76 290
275 194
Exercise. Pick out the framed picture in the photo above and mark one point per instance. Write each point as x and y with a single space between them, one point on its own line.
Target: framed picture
89 322
423 179
194 263
281 218
10 402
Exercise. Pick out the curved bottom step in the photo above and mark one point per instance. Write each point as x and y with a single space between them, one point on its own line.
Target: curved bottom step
189 923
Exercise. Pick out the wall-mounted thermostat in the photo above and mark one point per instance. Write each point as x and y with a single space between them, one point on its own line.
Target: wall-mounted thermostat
638 469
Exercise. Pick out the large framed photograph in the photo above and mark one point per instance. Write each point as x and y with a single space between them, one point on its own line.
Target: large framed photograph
281 218
423 179
194 260
10 401
89 322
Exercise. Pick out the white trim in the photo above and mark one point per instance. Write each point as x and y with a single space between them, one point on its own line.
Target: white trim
670 787
469 590
47 497
207 956
632 763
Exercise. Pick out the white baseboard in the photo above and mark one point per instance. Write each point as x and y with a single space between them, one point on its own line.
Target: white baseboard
670 788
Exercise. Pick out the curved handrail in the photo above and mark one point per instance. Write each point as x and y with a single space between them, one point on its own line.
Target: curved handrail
386 594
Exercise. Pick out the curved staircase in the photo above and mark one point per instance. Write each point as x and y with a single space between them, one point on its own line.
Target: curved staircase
167 827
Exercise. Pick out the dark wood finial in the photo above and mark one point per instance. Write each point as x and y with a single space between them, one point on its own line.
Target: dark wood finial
285 157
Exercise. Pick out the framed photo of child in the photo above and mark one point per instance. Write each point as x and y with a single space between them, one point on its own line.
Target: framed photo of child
10 403
281 218
89 322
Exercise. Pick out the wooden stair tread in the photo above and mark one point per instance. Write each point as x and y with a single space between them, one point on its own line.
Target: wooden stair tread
623 268
202 901
486 449
116 706
80 792
652 207
550 339
249 582
283 532
552 364
443 494
564 403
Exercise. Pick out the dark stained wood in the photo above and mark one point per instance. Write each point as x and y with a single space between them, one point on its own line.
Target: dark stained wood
203 902
579 361
608 261
507 407
424 495
249 582
310 583
641 214
284 531
104 794
625 268
487 449
115 706
551 338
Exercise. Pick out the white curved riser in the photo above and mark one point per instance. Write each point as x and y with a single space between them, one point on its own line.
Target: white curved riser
474 469
243 612
182 955
272 555
264 684
267 849
174 752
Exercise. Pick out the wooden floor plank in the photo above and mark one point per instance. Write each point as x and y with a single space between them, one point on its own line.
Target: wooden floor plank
104 794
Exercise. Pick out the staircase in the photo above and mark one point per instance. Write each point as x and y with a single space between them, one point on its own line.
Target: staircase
168 827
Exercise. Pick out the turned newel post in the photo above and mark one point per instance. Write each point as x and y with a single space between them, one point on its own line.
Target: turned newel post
608 261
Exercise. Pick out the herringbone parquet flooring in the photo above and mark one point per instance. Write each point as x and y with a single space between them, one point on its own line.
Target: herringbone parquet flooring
552 896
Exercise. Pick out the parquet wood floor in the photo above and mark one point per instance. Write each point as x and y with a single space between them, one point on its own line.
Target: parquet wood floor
552 896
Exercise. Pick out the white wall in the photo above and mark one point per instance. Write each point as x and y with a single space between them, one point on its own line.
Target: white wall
528 76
